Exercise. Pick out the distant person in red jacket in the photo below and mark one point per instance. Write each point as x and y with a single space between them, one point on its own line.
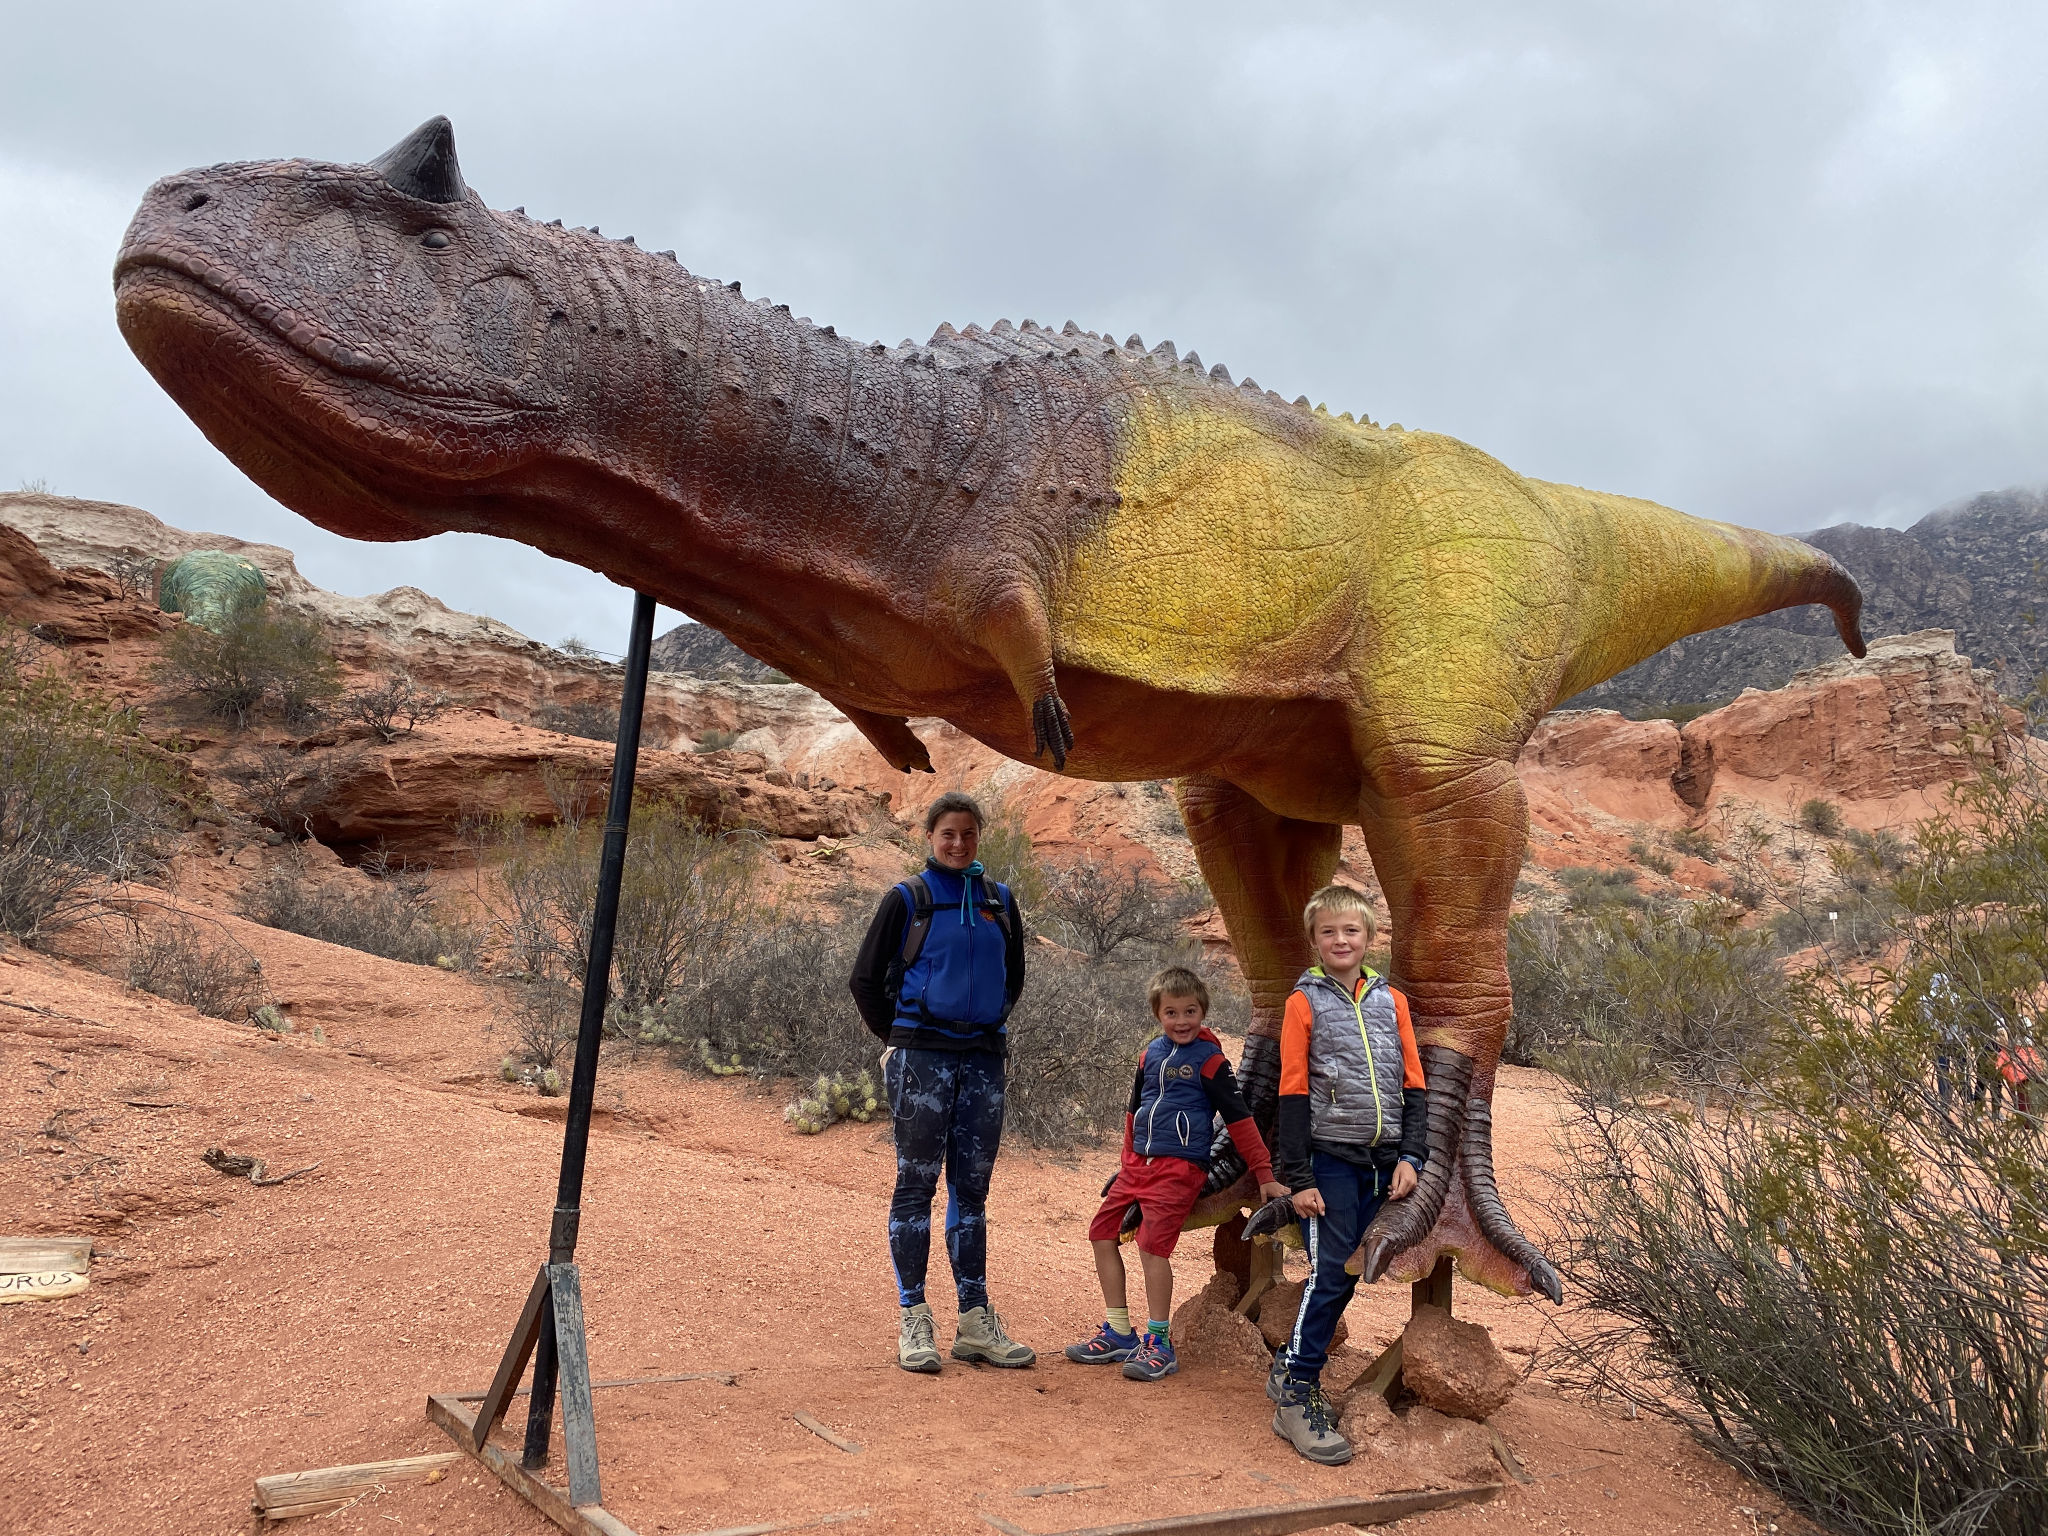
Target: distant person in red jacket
1183 1083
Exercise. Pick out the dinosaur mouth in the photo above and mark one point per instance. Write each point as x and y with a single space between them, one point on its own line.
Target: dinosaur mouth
146 264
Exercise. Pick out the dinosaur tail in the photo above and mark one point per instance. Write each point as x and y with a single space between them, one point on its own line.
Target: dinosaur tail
1657 576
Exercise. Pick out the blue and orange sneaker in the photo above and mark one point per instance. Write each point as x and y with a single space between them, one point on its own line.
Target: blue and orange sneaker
1108 1347
1152 1359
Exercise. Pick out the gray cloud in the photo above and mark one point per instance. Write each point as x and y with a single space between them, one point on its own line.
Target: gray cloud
1783 265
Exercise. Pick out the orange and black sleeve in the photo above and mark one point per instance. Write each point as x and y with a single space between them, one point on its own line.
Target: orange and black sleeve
1292 1164
1414 1094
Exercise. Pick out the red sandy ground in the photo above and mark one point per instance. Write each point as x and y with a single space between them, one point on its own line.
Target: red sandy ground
232 1331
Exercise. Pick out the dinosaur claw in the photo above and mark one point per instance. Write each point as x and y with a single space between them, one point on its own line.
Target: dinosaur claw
1482 1195
1051 730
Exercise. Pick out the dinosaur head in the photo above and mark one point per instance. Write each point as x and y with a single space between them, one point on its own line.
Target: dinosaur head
370 343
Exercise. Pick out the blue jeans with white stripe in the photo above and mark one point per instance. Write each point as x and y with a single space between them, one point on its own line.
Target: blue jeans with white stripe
1352 1196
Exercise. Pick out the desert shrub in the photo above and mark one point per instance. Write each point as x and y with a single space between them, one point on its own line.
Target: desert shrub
1627 998
592 719
1695 843
716 741
1823 818
393 917
1650 858
176 957
1835 1273
689 893
577 646
285 788
545 1015
84 798
395 706
1101 908
258 656
1594 890
1074 1040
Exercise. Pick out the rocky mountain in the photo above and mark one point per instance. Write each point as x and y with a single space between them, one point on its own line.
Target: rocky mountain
698 650
1979 567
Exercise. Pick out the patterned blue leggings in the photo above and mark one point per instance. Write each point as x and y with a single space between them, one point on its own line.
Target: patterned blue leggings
948 1107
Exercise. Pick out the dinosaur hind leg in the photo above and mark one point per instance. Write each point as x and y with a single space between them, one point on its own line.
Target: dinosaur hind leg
1261 869
1447 843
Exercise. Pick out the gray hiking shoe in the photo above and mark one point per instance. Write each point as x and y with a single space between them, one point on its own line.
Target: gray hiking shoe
1276 1378
1307 1421
915 1348
981 1337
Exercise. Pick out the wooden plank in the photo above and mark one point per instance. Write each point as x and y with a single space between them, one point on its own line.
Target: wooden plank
801 1523
730 1378
579 1422
1384 1374
287 1495
1283 1519
1432 1291
553 1502
45 1255
825 1434
44 1287
513 1363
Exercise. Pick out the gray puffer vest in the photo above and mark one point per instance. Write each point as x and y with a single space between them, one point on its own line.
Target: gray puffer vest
1354 1062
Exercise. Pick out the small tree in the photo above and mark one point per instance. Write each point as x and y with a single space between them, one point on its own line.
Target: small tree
397 706
1099 907
1823 818
84 798
256 656
286 788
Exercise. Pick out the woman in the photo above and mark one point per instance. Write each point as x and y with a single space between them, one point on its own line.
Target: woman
937 976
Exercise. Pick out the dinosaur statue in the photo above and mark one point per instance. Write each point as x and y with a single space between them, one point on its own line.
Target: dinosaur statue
211 587
1068 547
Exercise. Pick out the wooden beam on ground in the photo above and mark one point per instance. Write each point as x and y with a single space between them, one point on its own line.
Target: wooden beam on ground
730 1378
588 1520
45 1255
1283 1519
288 1495
1384 1374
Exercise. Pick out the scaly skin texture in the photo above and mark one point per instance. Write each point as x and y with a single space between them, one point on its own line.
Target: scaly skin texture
1074 550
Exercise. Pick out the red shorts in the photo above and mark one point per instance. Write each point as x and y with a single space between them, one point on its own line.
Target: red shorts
1163 1188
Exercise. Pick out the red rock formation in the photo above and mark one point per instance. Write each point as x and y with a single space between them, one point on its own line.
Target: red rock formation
74 604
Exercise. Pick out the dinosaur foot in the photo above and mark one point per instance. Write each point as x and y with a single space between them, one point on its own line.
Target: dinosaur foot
1051 730
1456 1209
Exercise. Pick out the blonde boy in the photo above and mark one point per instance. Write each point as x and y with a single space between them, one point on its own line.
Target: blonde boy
1352 1130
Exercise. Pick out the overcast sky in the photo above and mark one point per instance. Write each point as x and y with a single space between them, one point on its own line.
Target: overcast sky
1786 265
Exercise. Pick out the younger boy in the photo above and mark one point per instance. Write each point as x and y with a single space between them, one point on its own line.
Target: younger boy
1183 1083
1352 1133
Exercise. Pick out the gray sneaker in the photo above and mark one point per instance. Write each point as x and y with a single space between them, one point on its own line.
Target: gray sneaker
981 1337
915 1349
1307 1421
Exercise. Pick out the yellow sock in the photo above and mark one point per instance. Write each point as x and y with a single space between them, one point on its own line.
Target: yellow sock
1120 1319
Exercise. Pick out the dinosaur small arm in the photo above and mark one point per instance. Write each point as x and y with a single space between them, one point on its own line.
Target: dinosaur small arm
1074 549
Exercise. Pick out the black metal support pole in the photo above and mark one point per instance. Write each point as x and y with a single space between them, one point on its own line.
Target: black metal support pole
597 978
559 1354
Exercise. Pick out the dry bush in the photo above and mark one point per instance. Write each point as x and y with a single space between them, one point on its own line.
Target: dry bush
1074 1043
259 656
1101 908
1834 1272
592 719
285 787
84 798
396 706
177 958
393 917
545 1016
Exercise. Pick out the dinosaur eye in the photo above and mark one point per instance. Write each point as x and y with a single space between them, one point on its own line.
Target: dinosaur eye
435 240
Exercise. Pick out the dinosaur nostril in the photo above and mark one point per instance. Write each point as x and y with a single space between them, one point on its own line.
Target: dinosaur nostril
197 200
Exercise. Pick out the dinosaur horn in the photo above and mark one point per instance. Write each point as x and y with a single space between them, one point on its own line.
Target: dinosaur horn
422 164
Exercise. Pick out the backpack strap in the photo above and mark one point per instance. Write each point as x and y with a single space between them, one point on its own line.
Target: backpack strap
996 896
917 895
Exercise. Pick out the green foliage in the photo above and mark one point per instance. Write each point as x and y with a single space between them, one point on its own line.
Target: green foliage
716 741
1650 858
1834 1270
1595 890
84 798
255 656
1633 998
1695 843
1823 818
